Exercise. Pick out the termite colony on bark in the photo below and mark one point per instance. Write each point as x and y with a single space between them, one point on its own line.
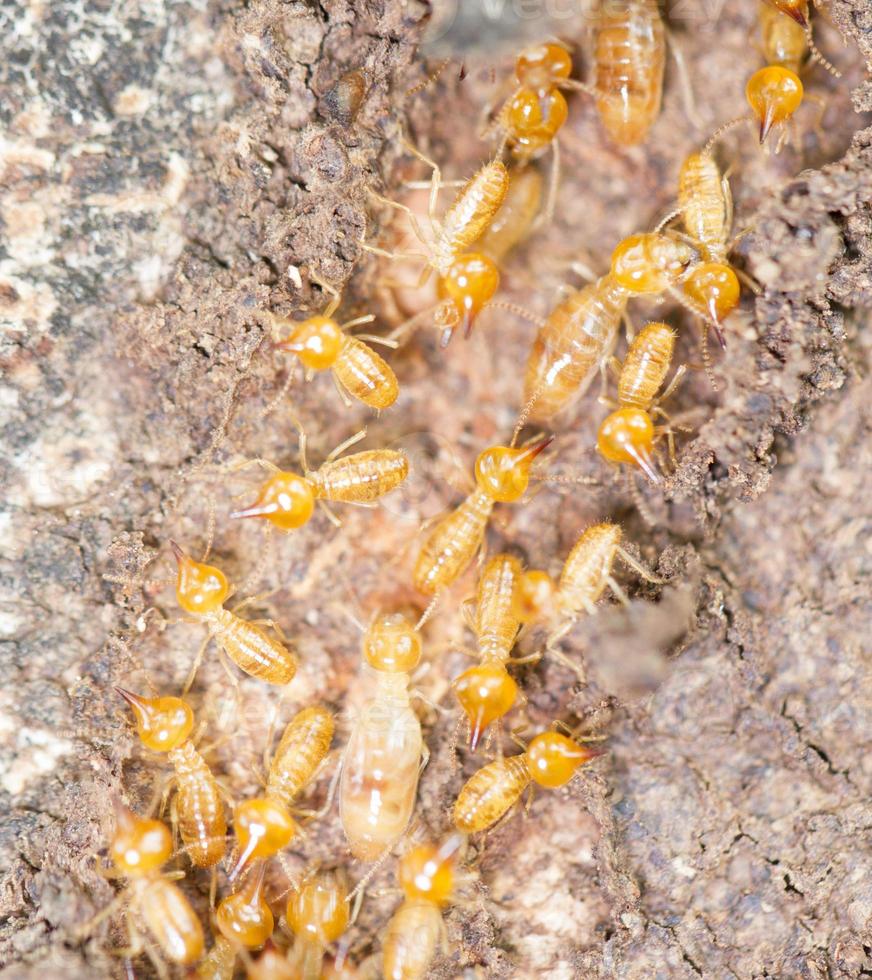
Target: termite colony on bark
245 843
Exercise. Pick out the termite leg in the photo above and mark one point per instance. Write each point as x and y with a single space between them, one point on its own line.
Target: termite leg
196 665
639 568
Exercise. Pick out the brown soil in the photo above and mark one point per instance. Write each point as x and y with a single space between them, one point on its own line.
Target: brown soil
165 167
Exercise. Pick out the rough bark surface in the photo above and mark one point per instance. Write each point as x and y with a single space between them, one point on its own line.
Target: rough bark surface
168 171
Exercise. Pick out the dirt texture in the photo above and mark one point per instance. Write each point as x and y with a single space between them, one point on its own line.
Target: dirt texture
170 170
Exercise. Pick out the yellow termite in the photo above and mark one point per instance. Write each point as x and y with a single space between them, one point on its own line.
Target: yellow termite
321 343
202 590
427 878
550 760
627 436
264 825
706 206
502 474
287 500
164 724
586 574
486 691
383 758
467 280
629 58
138 849
580 332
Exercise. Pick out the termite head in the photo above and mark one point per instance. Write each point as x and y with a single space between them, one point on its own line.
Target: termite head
553 758
469 284
650 262
796 9
318 910
503 472
245 916
486 692
285 500
392 644
542 66
535 596
533 119
162 723
262 827
627 436
200 588
774 94
139 846
427 873
316 341
714 287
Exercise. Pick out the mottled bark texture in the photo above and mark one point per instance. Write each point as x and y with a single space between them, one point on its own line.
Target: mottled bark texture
170 169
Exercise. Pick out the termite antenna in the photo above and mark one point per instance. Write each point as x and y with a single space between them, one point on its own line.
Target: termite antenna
719 132
817 56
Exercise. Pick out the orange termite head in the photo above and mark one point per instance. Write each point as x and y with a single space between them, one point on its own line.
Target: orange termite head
797 9
162 723
774 94
427 872
316 341
535 595
503 472
469 284
485 692
262 827
542 66
650 262
200 588
139 846
627 436
714 287
245 916
392 644
553 758
318 910
532 120
285 500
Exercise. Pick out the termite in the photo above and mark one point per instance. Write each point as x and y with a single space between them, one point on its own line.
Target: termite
245 918
486 692
321 344
629 58
318 914
427 878
705 204
786 42
264 825
580 332
287 500
502 474
550 760
467 280
385 753
139 848
202 590
586 574
627 436
164 724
